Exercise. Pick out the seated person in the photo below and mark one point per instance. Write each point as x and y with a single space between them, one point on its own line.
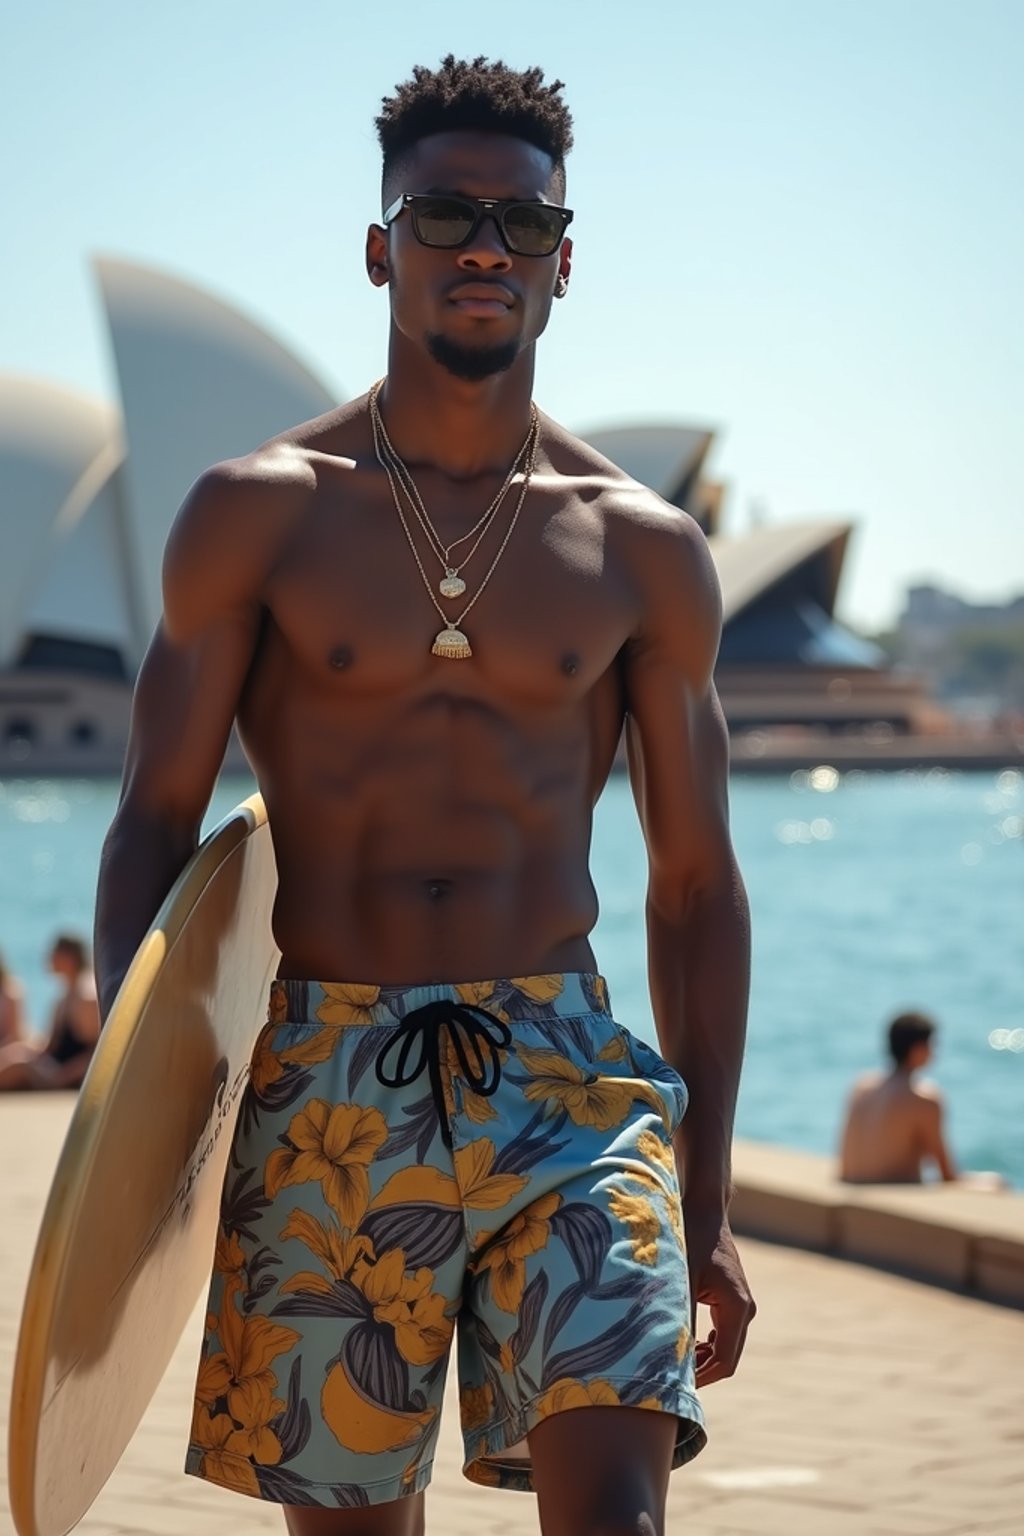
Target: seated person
60 1061
894 1125
12 1003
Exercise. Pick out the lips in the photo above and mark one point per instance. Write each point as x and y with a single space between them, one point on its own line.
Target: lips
492 295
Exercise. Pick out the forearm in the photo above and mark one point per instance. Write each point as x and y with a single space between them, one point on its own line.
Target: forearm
141 859
699 964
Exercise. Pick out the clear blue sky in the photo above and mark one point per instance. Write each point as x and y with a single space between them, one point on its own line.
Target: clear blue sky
798 221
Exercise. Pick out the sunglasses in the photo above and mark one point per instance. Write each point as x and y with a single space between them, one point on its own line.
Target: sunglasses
447 223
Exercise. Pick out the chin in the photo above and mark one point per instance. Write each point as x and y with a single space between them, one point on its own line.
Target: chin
472 363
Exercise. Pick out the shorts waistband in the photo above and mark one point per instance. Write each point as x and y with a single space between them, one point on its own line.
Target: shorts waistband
566 994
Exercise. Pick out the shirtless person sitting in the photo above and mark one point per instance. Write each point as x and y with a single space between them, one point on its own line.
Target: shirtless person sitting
894 1125
61 1060
432 612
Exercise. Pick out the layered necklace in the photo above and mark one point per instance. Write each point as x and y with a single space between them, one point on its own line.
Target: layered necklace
451 641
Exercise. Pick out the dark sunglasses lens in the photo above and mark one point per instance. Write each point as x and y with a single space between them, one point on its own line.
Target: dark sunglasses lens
533 229
443 221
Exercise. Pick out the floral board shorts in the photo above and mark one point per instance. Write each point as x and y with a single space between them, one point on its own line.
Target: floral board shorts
496 1155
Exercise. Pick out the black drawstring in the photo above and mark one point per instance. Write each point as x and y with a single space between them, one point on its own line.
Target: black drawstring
469 1027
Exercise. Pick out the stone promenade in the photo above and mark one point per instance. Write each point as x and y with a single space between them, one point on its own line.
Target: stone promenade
866 1405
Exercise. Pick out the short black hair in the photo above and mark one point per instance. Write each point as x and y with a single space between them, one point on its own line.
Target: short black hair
480 94
71 944
906 1031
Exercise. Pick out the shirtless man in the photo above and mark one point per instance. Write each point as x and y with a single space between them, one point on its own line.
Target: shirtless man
454 1128
894 1125
62 1059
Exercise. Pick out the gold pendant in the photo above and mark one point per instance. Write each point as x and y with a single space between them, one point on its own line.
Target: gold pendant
451 642
452 585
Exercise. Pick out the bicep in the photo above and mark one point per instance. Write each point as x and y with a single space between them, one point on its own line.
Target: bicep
677 738
182 712
191 679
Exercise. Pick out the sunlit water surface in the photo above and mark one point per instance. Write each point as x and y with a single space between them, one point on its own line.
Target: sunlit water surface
869 892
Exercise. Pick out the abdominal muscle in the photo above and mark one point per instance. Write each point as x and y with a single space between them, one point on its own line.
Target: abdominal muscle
457 859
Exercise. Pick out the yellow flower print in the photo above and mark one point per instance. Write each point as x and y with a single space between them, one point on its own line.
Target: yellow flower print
337 1253
422 1332
540 989
484 1472
229 1259
476 1405
317 1047
223 1461
675 1219
252 1407
656 1151
475 1106
277 1012
214 1377
682 1342
570 1393
418 1186
615 1050
588 1099
475 993
481 1189
639 1215
251 1343
335 1146
265 1067
347 1004
504 1256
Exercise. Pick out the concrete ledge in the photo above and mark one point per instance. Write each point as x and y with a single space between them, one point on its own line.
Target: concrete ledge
945 1233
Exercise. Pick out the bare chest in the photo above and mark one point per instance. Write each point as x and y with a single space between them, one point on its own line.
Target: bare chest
357 600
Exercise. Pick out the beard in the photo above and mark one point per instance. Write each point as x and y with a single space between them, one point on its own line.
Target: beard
472 363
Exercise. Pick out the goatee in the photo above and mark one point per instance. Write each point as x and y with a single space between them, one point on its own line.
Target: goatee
472 363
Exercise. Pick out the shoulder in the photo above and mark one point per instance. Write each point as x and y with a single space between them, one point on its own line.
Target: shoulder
229 531
930 1096
274 478
866 1083
660 546
261 491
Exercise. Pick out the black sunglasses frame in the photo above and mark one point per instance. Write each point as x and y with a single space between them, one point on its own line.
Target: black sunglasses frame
482 208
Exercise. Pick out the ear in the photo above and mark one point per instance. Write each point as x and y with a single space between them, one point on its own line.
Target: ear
377 255
564 269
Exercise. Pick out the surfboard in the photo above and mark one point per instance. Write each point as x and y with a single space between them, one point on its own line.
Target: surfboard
126 1242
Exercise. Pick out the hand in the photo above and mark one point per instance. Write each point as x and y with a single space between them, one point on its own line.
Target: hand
718 1281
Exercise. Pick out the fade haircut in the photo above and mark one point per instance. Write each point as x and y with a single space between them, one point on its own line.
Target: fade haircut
483 95
906 1031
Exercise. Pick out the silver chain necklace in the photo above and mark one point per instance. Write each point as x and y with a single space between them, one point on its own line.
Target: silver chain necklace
451 585
451 641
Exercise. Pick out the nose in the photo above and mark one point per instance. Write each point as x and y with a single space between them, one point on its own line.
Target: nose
485 251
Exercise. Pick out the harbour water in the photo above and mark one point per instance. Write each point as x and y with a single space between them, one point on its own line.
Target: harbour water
870 893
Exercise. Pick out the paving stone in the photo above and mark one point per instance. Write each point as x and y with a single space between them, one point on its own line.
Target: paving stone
902 1405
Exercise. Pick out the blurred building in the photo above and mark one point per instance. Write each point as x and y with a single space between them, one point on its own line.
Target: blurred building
971 654
88 492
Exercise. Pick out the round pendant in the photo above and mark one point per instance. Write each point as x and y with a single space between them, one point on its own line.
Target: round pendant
451 642
452 585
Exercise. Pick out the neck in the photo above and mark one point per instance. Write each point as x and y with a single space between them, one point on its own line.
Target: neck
458 428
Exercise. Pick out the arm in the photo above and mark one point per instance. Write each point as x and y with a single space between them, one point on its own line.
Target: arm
12 1015
934 1137
697 915
215 568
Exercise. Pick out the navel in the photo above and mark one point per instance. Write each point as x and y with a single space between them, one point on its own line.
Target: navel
570 663
340 658
437 889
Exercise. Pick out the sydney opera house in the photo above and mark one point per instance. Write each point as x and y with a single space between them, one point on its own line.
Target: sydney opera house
88 489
